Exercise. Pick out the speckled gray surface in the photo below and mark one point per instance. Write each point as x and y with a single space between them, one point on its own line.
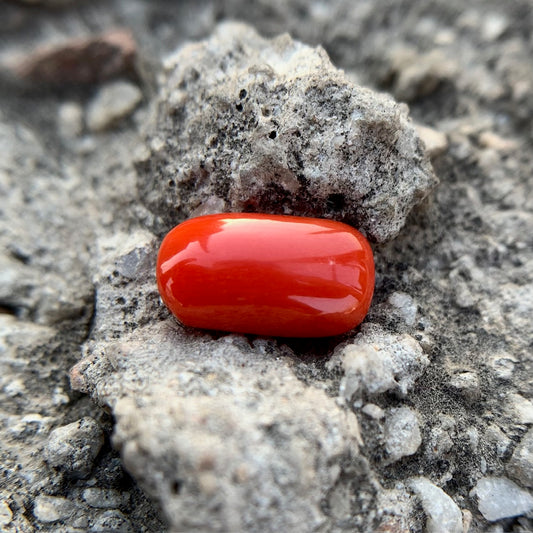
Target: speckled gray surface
432 395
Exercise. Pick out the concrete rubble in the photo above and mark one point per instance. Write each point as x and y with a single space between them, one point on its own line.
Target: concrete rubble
114 417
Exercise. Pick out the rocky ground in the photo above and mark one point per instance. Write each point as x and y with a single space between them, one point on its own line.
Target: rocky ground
121 118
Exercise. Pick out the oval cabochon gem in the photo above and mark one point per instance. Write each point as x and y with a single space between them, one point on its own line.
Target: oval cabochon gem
271 275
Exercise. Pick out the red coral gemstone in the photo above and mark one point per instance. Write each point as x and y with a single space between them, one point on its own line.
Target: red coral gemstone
272 275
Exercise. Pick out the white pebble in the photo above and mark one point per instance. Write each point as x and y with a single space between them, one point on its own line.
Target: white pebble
402 433
373 411
443 514
112 103
499 497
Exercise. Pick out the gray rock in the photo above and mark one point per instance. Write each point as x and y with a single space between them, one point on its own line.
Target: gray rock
443 514
377 361
520 465
113 103
74 447
499 497
402 433
246 123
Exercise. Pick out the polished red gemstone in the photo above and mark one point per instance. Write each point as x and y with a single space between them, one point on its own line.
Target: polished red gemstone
266 274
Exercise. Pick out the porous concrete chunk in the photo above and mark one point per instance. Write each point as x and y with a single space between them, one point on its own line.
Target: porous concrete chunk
377 361
499 497
111 104
247 123
443 514
402 433
521 464
74 447
222 425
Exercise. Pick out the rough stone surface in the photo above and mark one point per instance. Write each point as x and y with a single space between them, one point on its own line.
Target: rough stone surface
227 431
443 514
499 497
80 226
246 123
74 447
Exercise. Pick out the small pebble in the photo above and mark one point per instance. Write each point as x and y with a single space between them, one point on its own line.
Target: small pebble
111 522
521 464
70 120
74 447
440 442
443 514
6 515
435 141
49 509
467 384
405 306
373 411
75 61
112 103
377 361
105 498
520 408
503 365
402 433
493 26
497 438
499 497
489 139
